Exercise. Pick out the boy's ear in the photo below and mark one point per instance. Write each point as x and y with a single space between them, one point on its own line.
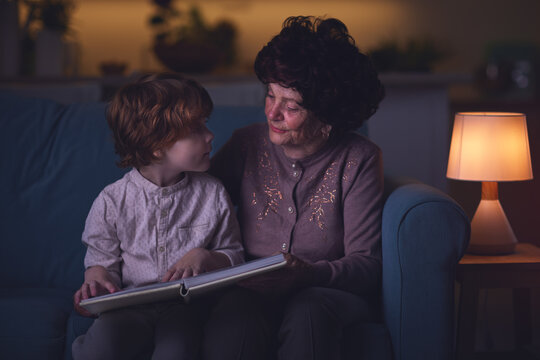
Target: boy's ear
158 154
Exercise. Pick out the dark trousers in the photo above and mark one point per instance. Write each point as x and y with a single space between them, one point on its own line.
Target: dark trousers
307 324
170 330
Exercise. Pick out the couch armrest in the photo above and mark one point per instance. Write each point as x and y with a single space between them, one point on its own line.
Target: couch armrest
424 235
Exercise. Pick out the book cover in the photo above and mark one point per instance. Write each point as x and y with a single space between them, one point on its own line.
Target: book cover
183 289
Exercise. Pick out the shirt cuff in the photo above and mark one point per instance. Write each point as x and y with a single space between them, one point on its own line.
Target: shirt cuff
235 257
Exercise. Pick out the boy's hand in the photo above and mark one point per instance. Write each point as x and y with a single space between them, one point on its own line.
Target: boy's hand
195 262
97 281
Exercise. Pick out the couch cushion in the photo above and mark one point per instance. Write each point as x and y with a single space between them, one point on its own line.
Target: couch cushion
54 160
33 322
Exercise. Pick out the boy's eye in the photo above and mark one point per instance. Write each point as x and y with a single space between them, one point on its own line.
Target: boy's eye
199 128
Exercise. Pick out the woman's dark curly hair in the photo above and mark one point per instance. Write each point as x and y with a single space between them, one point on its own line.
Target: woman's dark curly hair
319 59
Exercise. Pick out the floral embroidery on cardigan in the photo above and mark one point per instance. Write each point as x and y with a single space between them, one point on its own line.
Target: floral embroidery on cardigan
271 194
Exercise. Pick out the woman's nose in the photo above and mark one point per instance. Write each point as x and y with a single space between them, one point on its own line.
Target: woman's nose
273 112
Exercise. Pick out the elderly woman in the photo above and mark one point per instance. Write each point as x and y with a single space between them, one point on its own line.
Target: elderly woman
307 185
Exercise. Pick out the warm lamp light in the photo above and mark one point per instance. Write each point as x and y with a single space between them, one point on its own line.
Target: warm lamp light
490 147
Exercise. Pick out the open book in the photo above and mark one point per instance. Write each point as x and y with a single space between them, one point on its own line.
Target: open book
184 288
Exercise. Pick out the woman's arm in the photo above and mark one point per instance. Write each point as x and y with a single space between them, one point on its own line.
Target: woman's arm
359 270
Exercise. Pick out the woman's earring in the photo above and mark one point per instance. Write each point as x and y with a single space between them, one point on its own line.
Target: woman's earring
325 130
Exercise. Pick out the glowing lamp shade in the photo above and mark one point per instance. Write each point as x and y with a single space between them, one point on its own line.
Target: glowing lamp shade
490 147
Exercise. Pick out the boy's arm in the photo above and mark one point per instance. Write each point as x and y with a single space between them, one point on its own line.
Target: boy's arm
196 261
102 260
97 281
101 239
224 250
227 239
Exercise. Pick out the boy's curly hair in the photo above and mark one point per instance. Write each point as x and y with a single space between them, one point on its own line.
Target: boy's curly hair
318 58
154 112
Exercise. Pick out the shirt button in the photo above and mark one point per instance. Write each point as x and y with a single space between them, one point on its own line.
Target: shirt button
164 192
161 249
163 213
290 209
284 246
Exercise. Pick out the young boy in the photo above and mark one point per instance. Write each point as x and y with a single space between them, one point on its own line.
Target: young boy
163 221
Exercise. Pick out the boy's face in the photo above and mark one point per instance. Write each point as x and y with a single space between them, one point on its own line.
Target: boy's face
191 153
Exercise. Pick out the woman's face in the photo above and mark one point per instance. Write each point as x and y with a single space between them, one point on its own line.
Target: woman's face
290 125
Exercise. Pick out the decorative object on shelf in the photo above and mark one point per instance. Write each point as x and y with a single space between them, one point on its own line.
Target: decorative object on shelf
49 53
183 41
511 70
44 32
490 147
9 39
416 55
112 67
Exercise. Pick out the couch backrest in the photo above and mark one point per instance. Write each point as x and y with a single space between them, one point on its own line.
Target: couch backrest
225 119
55 159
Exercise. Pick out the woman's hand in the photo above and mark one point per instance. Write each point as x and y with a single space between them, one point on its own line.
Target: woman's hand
296 274
97 281
195 262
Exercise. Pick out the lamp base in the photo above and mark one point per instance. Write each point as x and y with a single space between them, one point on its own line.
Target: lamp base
491 233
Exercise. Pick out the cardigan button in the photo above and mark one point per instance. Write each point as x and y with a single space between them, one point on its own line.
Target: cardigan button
284 246
290 210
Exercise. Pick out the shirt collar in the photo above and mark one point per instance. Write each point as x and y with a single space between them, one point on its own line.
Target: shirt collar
150 187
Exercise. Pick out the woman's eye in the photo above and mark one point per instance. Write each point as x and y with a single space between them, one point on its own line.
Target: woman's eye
292 109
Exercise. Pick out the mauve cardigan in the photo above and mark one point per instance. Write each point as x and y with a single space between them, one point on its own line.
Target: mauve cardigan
325 209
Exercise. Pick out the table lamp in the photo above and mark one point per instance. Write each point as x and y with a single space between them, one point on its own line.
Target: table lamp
490 147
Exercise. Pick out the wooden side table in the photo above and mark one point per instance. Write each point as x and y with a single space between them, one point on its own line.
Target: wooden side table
519 271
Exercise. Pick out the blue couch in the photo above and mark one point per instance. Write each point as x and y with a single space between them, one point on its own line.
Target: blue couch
56 158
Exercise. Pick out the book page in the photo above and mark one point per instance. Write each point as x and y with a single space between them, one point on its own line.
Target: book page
188 287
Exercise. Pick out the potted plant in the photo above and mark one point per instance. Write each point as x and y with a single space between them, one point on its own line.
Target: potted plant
46 24
184 42
417 55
